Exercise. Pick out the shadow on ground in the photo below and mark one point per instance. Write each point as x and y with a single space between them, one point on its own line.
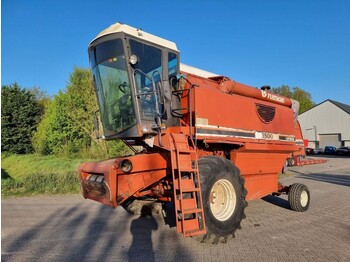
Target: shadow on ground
4 174
342 180
277 201
77 234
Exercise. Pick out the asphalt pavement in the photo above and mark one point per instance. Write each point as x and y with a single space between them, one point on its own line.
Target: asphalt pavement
70 228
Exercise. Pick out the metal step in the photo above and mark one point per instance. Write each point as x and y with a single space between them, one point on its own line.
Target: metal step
187 193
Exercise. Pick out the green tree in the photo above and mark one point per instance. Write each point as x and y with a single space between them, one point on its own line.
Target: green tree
41 97
296 93
81 101
82 105
67 128
57 133
20 116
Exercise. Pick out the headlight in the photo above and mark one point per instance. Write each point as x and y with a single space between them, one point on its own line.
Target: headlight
145 129
126 165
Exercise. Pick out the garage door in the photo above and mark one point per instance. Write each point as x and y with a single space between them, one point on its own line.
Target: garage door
330 140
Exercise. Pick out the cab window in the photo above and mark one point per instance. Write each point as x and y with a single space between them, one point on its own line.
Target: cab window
148 67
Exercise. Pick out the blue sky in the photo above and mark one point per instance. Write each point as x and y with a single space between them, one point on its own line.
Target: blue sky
300 43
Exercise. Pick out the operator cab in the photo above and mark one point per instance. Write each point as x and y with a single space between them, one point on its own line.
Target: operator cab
131 71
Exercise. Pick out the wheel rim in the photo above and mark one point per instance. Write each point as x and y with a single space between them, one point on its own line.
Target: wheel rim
304 198
222 200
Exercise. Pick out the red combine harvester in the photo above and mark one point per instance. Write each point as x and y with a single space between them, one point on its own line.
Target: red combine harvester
298 158
208 144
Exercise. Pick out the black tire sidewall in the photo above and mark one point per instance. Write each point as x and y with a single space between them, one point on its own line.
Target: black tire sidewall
291 161
213 169
294 197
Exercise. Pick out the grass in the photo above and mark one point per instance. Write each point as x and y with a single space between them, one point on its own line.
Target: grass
25 175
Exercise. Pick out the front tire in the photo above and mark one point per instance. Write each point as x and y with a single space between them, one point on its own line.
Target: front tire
136 206
223 196
299 197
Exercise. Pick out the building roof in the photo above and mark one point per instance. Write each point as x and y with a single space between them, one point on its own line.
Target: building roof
342 106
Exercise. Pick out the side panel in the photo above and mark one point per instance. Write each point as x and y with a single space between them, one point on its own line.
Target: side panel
299 141
260 171
105 182
225 110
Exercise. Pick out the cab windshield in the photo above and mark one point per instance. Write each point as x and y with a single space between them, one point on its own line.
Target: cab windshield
147 73
113 88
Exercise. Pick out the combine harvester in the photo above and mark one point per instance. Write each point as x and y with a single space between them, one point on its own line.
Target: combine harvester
208 144
298 158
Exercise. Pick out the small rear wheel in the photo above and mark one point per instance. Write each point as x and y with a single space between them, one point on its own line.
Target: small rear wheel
299 197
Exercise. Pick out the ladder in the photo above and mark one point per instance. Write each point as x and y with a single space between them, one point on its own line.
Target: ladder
189 214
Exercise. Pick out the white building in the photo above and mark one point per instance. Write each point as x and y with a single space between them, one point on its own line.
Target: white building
326 124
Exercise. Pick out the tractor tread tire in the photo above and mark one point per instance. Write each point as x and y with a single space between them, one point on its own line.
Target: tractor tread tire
134 206
295 197
212 169
291 161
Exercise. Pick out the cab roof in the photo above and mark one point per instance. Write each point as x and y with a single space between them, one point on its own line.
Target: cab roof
138 33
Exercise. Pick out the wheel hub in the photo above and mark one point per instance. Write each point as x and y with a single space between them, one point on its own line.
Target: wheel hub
222 200
304 198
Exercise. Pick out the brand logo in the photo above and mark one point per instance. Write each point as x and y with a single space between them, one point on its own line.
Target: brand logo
273 97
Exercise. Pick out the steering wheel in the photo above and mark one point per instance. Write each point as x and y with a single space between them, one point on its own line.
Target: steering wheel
122 87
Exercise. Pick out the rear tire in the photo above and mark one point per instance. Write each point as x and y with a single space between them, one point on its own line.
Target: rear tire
299 197
291 161
223 196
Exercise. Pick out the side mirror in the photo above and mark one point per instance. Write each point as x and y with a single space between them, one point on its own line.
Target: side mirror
174 82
